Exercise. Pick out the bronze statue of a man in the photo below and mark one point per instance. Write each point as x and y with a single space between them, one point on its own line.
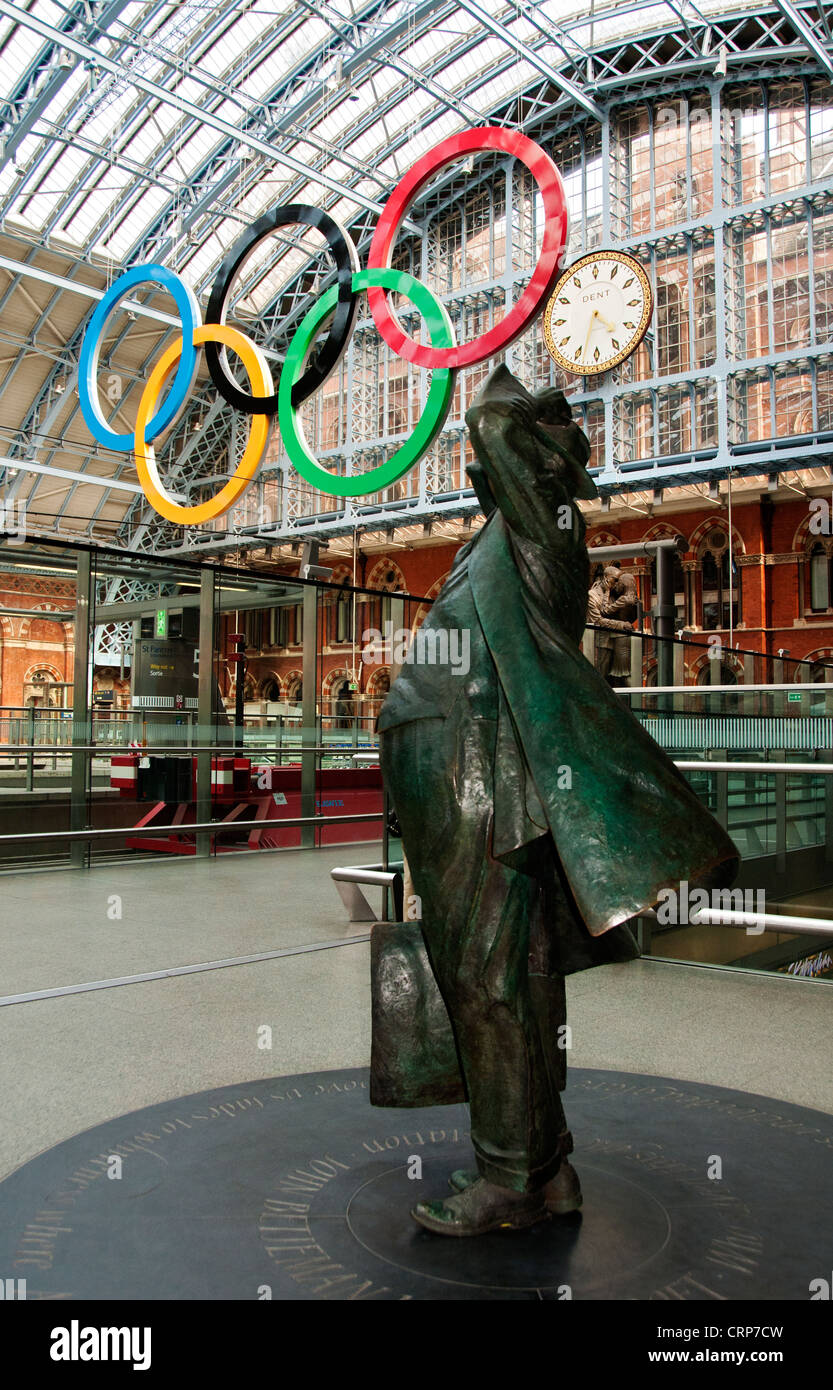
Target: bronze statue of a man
537 816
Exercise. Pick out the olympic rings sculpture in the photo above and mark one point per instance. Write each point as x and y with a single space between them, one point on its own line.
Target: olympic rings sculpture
304 372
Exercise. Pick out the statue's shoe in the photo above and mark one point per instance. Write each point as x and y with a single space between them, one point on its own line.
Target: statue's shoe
481 1207
562 1194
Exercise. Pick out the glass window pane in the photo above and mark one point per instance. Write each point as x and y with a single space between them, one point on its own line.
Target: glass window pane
819 589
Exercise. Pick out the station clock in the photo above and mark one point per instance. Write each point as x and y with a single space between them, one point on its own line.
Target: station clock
598 312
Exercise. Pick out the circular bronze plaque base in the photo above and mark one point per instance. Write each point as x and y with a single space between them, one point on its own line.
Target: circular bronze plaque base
296 1188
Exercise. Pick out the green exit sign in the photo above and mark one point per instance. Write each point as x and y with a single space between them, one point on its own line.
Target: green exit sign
161 622
794 695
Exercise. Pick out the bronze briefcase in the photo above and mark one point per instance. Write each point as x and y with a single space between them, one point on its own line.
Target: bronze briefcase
414 1060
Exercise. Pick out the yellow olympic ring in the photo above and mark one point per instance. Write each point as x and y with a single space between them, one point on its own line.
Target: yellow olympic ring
262 385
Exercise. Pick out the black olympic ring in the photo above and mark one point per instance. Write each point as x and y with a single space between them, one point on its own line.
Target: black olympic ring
344 319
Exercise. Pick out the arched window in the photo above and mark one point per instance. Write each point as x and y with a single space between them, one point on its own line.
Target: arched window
821 672
37 690
377 690
253 626
820 586
343 618
270 688
382 605
726 675
344 705
286 625
721 584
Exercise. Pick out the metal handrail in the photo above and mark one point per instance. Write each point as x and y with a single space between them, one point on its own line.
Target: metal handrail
772 921
708 766
108 750
358 874
214 826
802 687
649 635
230 751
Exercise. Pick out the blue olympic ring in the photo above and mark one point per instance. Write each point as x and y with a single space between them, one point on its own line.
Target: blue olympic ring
180 388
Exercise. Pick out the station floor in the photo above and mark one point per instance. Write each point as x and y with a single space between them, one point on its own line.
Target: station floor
76 1059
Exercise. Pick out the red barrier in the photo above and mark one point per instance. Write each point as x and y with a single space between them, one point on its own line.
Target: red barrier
260 792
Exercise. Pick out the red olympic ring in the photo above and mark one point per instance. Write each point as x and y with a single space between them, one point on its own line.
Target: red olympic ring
544 276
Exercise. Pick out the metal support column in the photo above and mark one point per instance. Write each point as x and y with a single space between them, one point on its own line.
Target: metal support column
30 757
635 677
781 823
722 798
827 755
748 702
205 710
664 616
135 723
309 729
81 732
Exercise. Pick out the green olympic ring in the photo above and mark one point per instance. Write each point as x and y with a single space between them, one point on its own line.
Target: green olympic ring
430 421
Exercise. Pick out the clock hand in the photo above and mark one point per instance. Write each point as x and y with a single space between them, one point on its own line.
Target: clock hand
609 326
594 315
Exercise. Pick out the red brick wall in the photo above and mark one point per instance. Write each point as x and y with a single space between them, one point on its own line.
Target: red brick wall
32 644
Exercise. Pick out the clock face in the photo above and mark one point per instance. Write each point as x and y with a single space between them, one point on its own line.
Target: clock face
598 313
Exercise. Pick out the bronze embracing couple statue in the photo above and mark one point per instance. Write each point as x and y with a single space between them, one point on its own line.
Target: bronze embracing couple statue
538 818
611 610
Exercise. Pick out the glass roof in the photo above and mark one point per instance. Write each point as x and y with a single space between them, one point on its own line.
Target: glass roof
158 130
172 123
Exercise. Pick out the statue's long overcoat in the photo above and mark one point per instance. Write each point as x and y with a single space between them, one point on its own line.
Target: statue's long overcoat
570 758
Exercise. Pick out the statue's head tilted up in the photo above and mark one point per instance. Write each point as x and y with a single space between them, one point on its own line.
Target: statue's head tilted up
545 433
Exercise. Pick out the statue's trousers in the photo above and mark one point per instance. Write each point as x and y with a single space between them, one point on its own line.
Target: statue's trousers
486 928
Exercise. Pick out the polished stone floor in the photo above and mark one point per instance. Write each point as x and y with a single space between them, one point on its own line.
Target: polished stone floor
78 1059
